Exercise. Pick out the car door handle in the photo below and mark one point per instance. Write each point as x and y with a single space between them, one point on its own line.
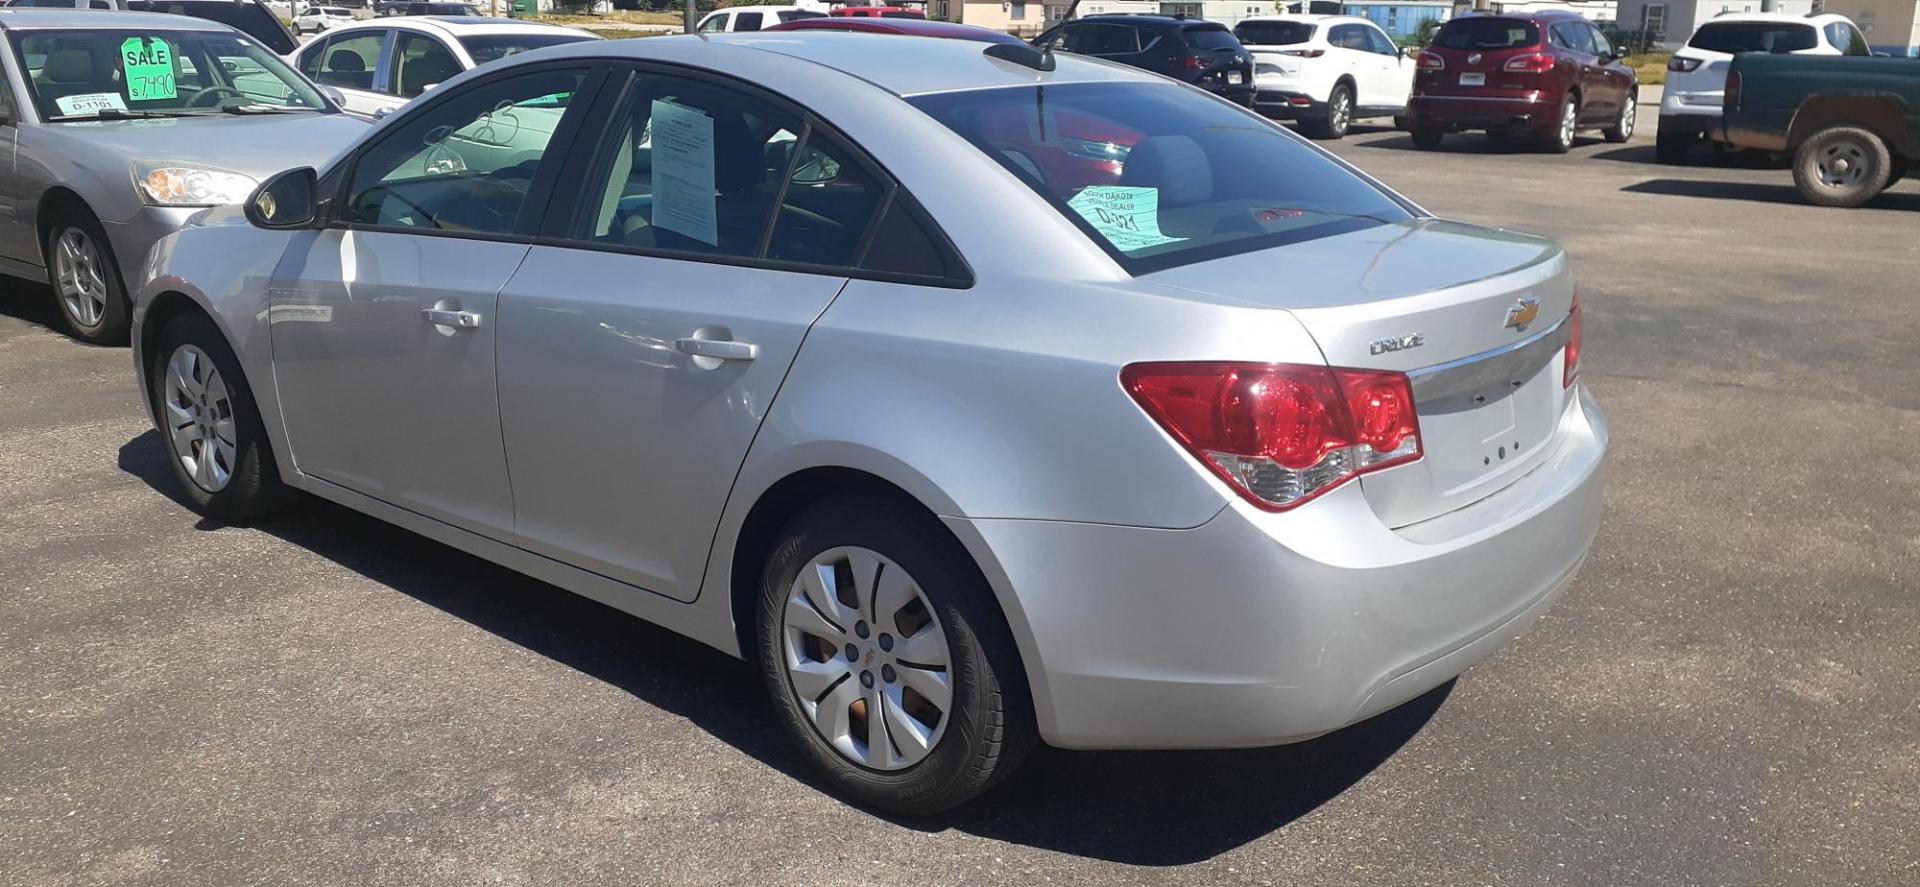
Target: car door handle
460 320
719 349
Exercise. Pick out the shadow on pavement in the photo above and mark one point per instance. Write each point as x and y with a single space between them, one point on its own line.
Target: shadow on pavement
1759 193
31 302
1141 808
1702 156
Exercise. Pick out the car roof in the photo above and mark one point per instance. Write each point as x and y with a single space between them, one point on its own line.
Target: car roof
1309 18
459 25
1778 17
32 18
901 64
1542 15
1147 18
768 8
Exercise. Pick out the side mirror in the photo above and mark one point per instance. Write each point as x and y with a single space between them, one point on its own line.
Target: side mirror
333 94
287 200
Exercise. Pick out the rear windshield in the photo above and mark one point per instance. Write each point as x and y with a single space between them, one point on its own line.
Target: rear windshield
250 19
1737 37
1273 33
1211 38
1487 33
1160 177
493 49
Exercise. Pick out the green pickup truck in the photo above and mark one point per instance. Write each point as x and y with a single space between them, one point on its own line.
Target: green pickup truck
1852 123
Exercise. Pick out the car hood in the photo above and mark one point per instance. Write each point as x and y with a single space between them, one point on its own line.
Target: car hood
256 145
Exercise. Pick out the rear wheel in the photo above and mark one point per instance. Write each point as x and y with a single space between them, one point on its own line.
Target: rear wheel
1842 166
217 443
1559 139
887 661
1622 128
1427 139
1672 147
1339 115
86 279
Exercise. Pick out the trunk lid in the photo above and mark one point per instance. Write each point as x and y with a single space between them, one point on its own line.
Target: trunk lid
1476 53
1448 304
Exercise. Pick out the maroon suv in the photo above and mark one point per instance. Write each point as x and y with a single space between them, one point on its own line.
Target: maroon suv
1541 77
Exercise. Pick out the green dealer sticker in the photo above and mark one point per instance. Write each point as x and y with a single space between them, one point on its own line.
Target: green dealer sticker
149 66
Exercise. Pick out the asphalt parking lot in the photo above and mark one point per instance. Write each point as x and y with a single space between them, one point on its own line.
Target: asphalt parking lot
1726 696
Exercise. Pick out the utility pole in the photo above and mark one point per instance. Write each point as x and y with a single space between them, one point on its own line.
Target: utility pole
687 16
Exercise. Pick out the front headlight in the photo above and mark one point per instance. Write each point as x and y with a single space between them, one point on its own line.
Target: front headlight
175 184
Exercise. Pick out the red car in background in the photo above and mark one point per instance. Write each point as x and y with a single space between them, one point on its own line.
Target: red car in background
876 12
893 24
1541 77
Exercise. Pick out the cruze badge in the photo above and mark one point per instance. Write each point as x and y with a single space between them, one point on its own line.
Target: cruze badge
1396 343
1523 312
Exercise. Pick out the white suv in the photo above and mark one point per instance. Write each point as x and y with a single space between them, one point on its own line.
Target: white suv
753 18
315 19
1325 71
1697 73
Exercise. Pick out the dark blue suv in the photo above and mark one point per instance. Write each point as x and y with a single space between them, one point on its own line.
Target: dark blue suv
1202 53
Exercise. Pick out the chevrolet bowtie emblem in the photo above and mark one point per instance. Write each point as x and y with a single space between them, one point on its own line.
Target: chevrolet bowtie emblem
1523 312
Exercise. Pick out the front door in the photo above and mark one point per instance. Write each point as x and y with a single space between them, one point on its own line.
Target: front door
19 239
637 363
384 326
350 63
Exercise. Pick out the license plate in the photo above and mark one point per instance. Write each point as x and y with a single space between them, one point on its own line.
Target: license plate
1234 77
1473 80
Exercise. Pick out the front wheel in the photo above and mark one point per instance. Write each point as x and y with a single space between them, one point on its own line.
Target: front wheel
215 439
1843 166
887 661
86 280
1622 128
1339 115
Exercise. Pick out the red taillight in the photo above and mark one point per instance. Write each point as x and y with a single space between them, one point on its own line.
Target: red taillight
1281 434
1194 61
1304 53
1573 345
1431 61
1531 63
1731 99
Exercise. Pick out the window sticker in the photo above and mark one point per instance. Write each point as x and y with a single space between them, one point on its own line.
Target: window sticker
683 195
90 102
1129 218
148 62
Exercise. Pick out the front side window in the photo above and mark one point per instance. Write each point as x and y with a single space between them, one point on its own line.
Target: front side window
349 62
699 168
1738 37
746 21
420 61
1273 33
112 72
465 164
1601 45
716 22
1158 177
1380 43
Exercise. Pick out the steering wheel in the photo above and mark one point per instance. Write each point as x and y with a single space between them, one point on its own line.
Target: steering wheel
215 91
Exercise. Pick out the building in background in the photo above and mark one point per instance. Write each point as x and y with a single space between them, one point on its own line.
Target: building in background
1226 12
1891 26
1401 18
1676 20
1592 10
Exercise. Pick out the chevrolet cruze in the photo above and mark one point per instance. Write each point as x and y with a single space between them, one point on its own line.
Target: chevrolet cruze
982 397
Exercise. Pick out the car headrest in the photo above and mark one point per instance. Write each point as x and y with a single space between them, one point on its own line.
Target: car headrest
739 162
426 71
68 66
1175 165
345 61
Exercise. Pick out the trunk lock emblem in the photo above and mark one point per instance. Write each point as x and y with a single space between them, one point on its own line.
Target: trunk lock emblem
1523 312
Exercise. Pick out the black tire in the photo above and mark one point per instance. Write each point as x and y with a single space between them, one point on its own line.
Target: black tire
989 729
1625 121
1339 116
1672 147
1557 138
1400 123
1842 166
253 488
115 319
1427 139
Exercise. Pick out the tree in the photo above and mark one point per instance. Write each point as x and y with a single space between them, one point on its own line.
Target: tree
1423 36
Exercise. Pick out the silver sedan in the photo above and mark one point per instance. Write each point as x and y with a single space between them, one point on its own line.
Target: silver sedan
121 126
982 398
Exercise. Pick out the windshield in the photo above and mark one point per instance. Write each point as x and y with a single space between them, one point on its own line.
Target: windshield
1273 33
1738 37
1160 177
493 49
1487 33
109 73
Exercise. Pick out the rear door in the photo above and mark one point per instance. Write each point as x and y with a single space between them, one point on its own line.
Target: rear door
1395 83
644 338
418 62
1352 53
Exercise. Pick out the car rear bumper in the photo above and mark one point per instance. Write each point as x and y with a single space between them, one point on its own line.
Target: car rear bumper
1287 104
1525 110
1259 629
1689 124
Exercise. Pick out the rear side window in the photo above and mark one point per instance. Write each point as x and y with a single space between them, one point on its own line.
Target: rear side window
1847 39
904 244
1105 40
746 21
1158 177
1487 33
1738 37
1273 33
1211 38
349 62
1351 37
